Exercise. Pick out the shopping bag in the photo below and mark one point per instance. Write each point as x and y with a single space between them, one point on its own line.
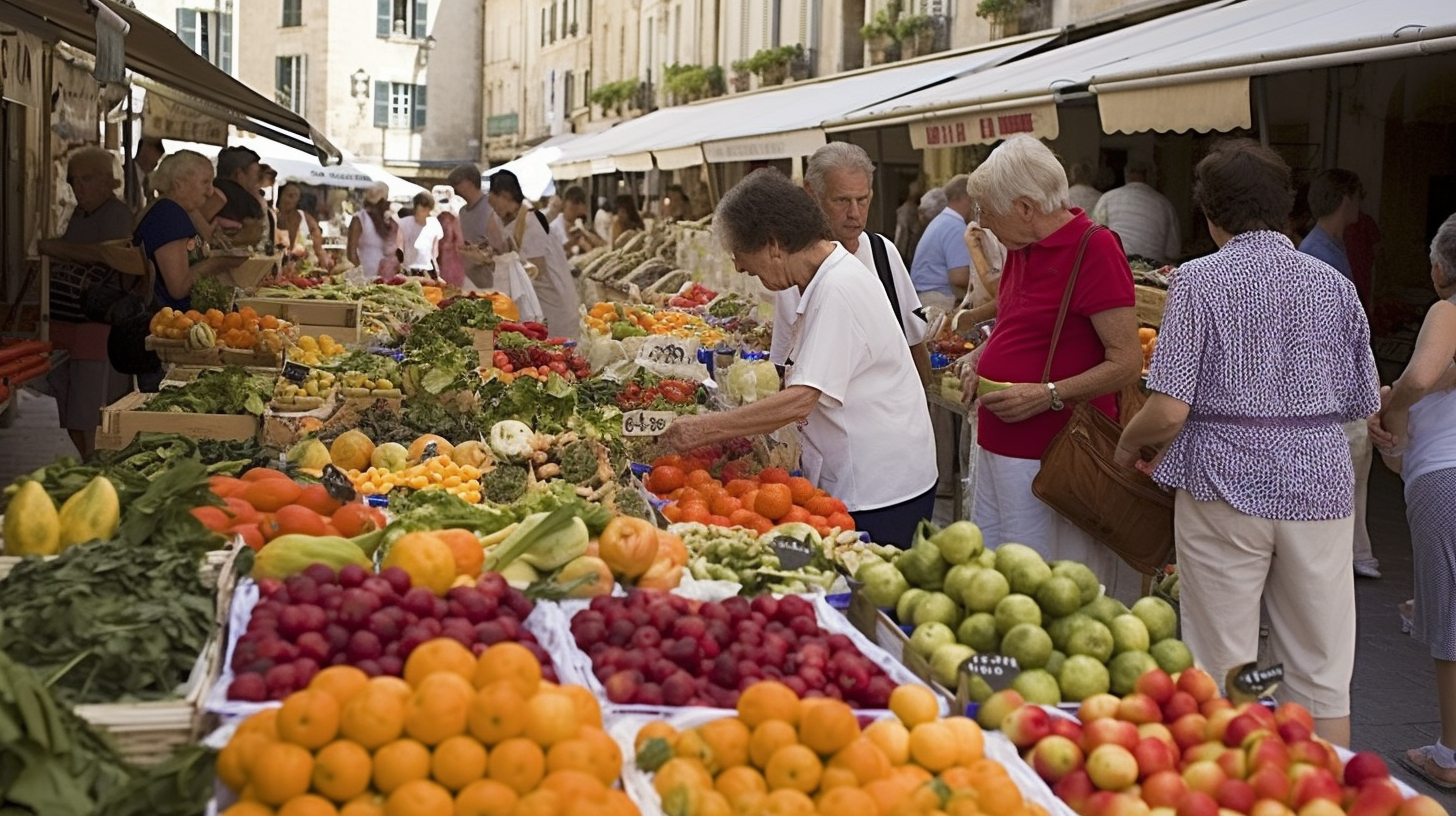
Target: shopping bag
512 281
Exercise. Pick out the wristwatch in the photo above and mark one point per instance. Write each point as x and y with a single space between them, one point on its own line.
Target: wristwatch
1056 398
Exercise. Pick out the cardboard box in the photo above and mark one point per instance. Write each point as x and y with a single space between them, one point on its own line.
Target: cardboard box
484 344
123 420
237 268
339 319
282 430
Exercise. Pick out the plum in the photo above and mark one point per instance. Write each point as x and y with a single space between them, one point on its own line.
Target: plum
518 602
384 626
489 632
282 680
313 645
678 689
690 626
380 587
304 668
391 665
492 585
269 587
649 694
357 606
369 667
418 601
398 579
646 638
623 686
352 575
792 607
302 589
248 687
321 573
364 645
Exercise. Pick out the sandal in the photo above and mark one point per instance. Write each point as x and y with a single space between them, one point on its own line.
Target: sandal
1422 762
1407 611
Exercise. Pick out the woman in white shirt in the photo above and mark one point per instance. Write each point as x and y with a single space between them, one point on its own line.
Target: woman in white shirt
420 236
373 237
531 233
851 384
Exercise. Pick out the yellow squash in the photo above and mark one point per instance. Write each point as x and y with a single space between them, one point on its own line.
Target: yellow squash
91 514
32 525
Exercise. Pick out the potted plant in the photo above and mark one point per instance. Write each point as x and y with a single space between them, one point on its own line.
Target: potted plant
916 35
772 64
742 75
879 34
1004 15
615 96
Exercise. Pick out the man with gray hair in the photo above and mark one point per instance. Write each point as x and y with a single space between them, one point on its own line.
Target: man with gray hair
942 267
1141 216
840 177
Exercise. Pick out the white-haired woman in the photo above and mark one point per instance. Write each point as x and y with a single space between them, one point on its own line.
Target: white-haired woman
1417 417
1022 193
374 237
169 232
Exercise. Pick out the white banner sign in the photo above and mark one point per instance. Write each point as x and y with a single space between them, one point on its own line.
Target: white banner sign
985 128
167 119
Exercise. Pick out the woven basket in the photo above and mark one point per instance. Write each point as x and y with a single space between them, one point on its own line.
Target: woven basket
1150 303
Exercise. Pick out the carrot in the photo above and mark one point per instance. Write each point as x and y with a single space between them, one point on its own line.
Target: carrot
24 348
35 369
14 366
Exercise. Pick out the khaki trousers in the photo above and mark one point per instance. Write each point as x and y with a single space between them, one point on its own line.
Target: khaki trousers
1229 560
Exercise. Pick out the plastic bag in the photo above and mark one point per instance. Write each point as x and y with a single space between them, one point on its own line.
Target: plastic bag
512 281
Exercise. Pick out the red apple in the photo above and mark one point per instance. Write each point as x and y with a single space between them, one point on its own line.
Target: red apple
1098 707
1234 762
1321 807
1293 711
1315 753
1198 683
1164 789
1378 797
1235 794
1157 685
1318 783
1071 729
1179 704
1099 803
1365 766
1188 730
1026 725
1216 704
1268 751
1270 807
1270 782
1074 789
1112 767
1421 806
1293 731
1218 721
1160 732
1204 775
1261 712
1241 728
1197 803
1139 708
1055 757
1108 731
1127 803
1203 752
1154 756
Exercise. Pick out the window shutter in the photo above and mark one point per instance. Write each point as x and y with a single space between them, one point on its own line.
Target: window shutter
422 18
225 43
381 104
418 114
187 27
385 22
300 81
280 80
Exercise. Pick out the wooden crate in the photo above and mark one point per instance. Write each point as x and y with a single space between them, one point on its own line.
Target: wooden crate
176 353
1150 303
873 623
340 319
124 419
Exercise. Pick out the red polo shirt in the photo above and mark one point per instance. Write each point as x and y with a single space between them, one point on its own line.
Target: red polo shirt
1032 285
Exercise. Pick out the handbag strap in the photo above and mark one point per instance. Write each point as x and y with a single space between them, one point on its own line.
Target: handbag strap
1046 374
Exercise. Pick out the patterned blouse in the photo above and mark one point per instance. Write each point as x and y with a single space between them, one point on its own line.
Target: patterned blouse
1271 350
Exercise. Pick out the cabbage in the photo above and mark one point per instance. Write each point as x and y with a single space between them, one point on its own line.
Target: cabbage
749 382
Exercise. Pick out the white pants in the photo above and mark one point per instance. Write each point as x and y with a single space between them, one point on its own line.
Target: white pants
1007 512
1361 455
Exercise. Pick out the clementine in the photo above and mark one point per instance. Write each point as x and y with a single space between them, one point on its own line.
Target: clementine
793 766
774 501
497 712
827 726
374 716
401 761
511 662
280 773
341 682
439 708
768 737
485 797
419 797
341 771
458 761
768 700
309 719
518 763
436 656
469 555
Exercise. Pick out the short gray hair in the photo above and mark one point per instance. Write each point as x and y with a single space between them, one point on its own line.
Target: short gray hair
93 160
1443 249
175 167
841 156
932 202
1020 167
1079 173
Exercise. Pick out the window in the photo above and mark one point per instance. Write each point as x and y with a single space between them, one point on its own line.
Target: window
543 27
288 73
292 13
402 18
399 105
209 33
553 23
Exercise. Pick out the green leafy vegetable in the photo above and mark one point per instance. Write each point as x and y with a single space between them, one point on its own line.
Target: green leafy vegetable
180 785
161 517
229 390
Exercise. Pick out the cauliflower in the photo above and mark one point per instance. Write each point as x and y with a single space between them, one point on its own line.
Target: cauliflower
512 440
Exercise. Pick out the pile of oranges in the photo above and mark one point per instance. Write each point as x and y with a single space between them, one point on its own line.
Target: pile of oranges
457 735
242 329
782 755
758 502
265 504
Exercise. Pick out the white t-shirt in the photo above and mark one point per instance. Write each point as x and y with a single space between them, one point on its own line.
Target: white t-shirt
868 440
554 286
559 230
786 303
421 242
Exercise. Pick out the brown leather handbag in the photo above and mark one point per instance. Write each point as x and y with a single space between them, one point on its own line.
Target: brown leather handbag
1119 506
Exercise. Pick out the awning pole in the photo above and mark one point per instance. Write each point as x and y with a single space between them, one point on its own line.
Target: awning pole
1261 102
47 190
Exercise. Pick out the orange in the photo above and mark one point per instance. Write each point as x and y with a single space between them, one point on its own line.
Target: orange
497 712
340 682
485 797
679 772
341 771
355 518
365 804
767 738
656 729
793 766
235 760
933 746
914 705
700 479
574 785
768 700
439 708
518 763
438 655
996 793
263 474
308 805
787 802
458 761
801 489
823 506
469 555
550 718
796 514
576 754
213 518
512 662
606 755
374 716
841 521
721 505
864 759
970 741
539 803
297 519
774 501
837 778
248 809
887 793
268 495
401 761
892 738
309 719
695 512
773 476
265 722
842 801
728 740
827 726
588 709
281 772
419 797
735 783
429 561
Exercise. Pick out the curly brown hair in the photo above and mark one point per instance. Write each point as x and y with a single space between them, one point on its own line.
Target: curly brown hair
1242 186
766 208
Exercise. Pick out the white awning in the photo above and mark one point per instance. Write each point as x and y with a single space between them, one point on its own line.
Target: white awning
1202 83
533 168
592 154
295 165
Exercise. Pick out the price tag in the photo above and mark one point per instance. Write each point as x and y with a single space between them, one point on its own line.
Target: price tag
646 423
997 670
432 449
337 485
295 372
1249 682
660 350
793 554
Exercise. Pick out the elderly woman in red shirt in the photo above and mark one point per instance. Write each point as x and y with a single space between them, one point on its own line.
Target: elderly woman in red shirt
1021 190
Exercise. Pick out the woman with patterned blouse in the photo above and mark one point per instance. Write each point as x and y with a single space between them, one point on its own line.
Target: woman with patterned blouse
1263 354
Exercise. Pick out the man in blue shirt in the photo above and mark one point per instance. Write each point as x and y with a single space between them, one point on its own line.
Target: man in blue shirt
941 268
